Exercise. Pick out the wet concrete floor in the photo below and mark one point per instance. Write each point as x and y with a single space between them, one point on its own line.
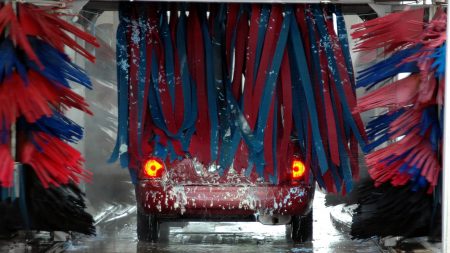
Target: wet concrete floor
224 237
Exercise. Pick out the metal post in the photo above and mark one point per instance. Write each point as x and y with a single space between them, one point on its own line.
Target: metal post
446 150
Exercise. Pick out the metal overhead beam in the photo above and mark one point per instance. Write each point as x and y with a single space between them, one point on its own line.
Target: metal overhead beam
359 7
364 8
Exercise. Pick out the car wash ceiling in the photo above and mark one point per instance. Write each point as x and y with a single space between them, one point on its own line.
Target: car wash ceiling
366 9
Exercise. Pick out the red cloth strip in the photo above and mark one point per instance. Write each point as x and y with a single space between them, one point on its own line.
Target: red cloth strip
285 100
240 53
200 142
251 54
272 33
232 15
133 80
345 79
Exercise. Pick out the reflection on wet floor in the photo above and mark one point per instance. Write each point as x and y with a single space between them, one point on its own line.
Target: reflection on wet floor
120 236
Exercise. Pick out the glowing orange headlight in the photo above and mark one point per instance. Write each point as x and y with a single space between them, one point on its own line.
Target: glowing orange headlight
298 169
153 168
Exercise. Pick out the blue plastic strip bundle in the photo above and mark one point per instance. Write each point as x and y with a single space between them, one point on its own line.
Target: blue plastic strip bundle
121 147
439 61
59 126
378 129
9 61
429 123
388 68
58 67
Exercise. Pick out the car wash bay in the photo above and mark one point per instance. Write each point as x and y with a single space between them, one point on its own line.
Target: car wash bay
120 236
111 198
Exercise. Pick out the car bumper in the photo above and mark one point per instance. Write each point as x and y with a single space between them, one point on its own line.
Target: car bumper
222 201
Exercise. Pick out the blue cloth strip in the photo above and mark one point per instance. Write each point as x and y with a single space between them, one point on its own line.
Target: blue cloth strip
439 61
211 90
121 147
189 90
263 21
343 38
302 66
168 51
274 177
348 117
232 136
142 72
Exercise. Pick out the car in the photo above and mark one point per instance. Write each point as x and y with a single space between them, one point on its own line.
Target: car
186 190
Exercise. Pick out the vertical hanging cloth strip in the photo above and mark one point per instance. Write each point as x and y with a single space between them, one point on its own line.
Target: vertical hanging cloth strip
201 139
235 85
411 127
348 127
